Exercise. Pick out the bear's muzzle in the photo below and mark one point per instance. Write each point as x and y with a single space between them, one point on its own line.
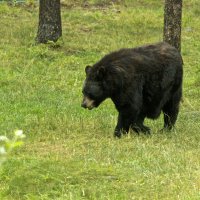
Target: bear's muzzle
88 103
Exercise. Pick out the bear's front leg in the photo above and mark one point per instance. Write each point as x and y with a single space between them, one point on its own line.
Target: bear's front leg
123 124
128 111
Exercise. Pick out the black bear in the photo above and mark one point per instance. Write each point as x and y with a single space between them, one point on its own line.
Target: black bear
141 82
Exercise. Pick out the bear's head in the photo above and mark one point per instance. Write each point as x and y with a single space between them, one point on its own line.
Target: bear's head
94 88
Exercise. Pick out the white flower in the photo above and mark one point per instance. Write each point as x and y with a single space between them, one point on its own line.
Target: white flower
2 151
19 133
3 138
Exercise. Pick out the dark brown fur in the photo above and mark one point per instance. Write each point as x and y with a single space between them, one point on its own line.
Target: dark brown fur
141 82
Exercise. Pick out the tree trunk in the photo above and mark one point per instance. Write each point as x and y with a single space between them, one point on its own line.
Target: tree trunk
172 22
50 28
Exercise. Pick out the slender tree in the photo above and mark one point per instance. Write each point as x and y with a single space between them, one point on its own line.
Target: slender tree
50 28
172 22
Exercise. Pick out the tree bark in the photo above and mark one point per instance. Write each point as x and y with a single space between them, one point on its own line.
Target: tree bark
50 28
172 22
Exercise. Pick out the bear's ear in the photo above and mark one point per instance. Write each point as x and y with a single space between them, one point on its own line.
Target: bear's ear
87 69
101 72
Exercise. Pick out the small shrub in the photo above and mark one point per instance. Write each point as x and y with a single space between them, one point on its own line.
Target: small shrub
7 145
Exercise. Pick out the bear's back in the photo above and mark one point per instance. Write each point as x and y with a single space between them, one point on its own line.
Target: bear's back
144 59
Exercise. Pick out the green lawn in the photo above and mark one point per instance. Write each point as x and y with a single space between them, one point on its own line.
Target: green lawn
69 152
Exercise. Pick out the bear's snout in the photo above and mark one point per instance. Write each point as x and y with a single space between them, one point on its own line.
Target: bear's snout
87 103
83 104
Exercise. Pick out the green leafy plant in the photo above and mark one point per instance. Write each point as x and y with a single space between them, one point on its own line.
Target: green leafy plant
7 145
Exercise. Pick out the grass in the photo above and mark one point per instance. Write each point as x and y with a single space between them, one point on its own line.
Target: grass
70 153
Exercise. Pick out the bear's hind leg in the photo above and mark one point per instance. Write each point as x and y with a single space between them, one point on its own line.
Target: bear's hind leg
171 110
